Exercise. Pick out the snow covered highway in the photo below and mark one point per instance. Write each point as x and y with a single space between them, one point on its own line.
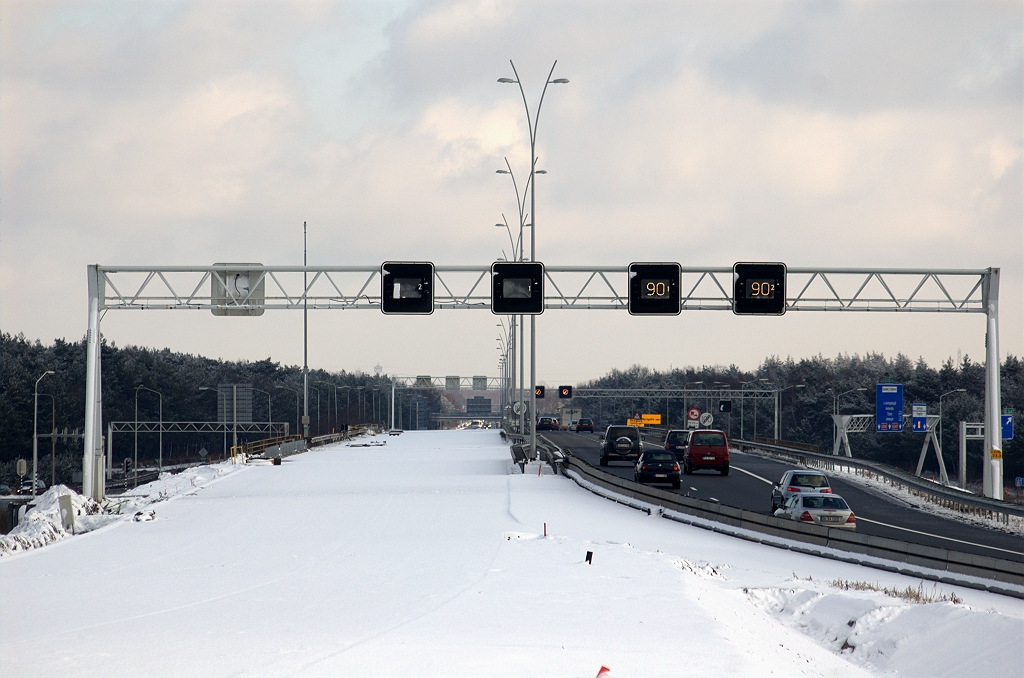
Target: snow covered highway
427 557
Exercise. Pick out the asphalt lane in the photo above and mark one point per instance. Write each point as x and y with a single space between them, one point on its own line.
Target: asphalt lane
748 486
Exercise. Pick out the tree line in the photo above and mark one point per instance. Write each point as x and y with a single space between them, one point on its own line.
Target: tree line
335 399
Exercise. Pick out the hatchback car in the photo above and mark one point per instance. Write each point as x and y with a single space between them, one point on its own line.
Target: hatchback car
547 424
620 443
584 424
677 441
572 425
827 510
708 449
657 466
796 482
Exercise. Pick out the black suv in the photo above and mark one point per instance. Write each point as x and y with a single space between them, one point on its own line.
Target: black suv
620 443
585 425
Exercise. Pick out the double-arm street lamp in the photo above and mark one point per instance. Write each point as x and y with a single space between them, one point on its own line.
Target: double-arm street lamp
35 432
532 124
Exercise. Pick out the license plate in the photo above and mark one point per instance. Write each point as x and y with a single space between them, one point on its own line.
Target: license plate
830 519
661 475
709 458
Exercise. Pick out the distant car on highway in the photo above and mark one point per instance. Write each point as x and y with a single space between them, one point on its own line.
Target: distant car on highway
827 510
707 449
547 424
620 443
657 466
677 441
797 481
572 424
5 489
584 424
26 486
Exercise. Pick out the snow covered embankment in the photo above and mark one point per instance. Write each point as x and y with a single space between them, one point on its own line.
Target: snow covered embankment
42 524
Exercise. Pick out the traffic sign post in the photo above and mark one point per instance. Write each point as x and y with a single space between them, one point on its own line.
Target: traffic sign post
693 417
888 408
919 420
1006 421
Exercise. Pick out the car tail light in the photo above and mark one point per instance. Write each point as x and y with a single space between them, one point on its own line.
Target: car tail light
644 467
792 489
826 490
667 446
675 467
852 519
806 517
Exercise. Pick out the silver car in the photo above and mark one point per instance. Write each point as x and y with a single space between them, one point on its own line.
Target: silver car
826 510
796 482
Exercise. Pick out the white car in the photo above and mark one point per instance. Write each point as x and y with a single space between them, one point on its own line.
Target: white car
572 424
826 510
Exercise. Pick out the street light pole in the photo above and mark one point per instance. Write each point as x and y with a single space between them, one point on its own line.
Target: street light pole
298 426
160 458
305 342
269 419
532 125
53 436
35 436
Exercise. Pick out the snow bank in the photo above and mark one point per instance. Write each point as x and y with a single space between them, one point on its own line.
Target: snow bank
42 523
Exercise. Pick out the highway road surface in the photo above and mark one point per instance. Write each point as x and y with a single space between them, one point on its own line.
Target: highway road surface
748 486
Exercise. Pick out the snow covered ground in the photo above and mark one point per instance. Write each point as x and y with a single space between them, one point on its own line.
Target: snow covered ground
426 557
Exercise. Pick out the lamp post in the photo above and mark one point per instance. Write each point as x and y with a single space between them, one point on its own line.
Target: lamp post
329 385
269 420
778 402
359 399
53 436
201 388
956 390
35 437
298 425
686 385
348 403
314 388
160 458
532 125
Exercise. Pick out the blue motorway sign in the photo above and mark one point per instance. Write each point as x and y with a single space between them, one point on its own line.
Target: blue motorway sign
888 408
1007 425
919 420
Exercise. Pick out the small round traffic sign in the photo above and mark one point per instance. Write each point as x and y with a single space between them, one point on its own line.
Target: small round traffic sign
706 419
693 414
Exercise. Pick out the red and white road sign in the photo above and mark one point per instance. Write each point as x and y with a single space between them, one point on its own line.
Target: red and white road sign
693 414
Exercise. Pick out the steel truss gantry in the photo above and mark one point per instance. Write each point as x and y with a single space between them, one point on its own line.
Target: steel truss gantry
567 288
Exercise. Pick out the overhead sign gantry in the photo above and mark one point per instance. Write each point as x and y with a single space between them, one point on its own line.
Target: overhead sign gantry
655 288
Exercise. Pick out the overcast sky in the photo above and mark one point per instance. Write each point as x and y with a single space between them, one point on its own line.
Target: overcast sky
858 134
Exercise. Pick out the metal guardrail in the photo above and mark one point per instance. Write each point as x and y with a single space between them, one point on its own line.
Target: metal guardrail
950 498
831 539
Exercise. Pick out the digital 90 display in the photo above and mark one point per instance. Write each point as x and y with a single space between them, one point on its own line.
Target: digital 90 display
654 288
759 288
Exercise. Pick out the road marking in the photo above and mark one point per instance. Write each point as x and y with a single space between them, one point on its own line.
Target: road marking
764 480
929 534
905 529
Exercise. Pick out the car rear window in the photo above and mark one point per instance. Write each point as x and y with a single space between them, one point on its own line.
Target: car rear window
677 438
823 502
619 431
585 421
809 480
659 456
701 438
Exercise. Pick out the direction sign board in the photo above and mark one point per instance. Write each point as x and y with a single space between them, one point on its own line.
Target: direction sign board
920 417
635 422
1007 425
651 419
888 408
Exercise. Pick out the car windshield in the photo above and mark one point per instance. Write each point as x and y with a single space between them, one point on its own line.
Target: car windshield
707 438
809 480
677 438
659 456
825 502
619 431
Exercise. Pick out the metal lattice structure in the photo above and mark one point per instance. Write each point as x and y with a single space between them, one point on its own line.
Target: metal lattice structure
567 288
216 288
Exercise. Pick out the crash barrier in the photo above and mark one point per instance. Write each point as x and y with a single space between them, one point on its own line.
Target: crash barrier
520 455
947 497
259 448
788 444
840 544
353 431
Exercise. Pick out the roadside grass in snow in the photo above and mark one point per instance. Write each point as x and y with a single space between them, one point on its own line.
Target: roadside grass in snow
909 594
